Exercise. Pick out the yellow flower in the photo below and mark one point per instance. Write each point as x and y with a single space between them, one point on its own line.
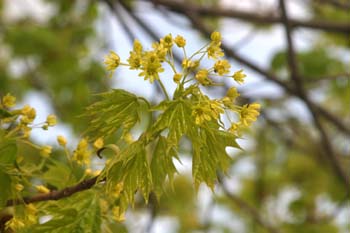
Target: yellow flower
177 77
118 189
45 151
230 97
31 213
137 48
232 93
98 144
127 137
42 189
151 67
249 113
8 100
222 67
62 141
201 114
235 128
14 224
215 37
51 120
160 50
167 41
239 76
190 65
82 153
214 51
28 114
134 59
117 214
216 108
180 41
112 61
19 187
202 77
26 131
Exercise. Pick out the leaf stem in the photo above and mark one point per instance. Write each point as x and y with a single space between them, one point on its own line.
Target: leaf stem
163 89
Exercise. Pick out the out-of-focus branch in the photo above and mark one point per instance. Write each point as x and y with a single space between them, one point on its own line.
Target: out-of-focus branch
251 210
177 6
294 74
55 194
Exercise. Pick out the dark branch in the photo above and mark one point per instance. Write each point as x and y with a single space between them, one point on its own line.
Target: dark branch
56 194
294 74
252 17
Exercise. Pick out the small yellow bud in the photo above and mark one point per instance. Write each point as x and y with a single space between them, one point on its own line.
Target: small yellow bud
8 100
51 120
180 41
112 61
202 77
88 171
117 215
177 77
46 151
98 144
42 189
96 173
61 140
239 76
232 93
222 67
215 37
167 41
19 187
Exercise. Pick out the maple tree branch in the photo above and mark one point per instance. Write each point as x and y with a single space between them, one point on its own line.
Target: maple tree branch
177 6
55 194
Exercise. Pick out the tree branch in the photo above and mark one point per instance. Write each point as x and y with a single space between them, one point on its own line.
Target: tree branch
55 194
177 6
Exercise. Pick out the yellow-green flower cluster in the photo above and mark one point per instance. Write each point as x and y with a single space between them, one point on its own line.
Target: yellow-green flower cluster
207 110
82 153
150 63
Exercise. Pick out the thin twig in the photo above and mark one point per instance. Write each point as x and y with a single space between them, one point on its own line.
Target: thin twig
177 6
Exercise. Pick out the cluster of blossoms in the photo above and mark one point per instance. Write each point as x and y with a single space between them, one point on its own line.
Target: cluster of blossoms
26 116
150 63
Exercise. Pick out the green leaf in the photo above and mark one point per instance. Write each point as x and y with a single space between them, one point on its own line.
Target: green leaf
118 109
59 175
176 118
209 154
5 184
8 152
133 170
4 113
80 213
162 165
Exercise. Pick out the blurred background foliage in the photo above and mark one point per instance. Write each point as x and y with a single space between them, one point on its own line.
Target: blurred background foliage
283 180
